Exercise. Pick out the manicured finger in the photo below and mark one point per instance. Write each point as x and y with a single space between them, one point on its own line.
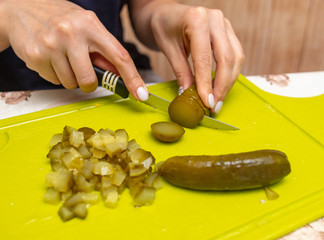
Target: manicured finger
105 44
200 46
225 59
181 67
238 51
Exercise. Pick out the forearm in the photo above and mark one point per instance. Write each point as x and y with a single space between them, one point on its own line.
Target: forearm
141 12
4 40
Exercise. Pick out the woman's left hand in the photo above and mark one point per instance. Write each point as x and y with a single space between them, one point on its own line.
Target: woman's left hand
206 34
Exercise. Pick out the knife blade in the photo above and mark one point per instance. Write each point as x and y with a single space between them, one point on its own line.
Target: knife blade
115 84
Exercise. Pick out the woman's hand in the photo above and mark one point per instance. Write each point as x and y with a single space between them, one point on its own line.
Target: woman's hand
179 31
60 40
205 34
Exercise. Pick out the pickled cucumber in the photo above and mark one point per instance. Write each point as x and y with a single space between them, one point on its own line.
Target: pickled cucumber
238 171
167 131
187 109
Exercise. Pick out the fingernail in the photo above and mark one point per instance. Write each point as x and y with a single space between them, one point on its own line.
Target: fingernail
180 91
211 100
218 106
142 94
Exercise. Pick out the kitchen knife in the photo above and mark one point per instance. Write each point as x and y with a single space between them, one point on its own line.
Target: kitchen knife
115 84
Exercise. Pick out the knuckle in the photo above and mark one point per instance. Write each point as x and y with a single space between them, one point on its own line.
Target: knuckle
241 58
228 59
180 75
216 13
33 55
198 14
64 26
122 57
47 42
89 16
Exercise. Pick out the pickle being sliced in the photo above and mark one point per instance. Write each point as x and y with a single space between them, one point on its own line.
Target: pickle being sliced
187 109
84 161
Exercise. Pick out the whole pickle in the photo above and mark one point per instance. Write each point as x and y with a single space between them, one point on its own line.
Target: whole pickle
239 171
187 109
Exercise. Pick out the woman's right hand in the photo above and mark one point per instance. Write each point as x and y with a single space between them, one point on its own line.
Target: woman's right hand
61 41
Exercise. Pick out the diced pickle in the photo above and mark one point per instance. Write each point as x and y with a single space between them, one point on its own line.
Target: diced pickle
84 161
66 213
55 139
145 196
52 196
80 210
61 180
76 138
110 196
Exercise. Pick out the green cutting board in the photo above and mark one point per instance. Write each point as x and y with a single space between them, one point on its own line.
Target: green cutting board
306 113
176 213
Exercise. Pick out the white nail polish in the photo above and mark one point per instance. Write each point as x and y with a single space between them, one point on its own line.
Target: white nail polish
142 94
211 100
180 91
218 106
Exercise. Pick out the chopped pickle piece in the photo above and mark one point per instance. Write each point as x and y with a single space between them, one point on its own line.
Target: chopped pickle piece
76 138
72 159
55 139
106 182
103 168
113 148
132 145
84 151
81 197
271 195
87 132
66 195
61 180
137 170
80 210
145 196
86 169
110 196
119 177
57 164
52 196
167 131
84 161
97 153
66 213
82 184
96 141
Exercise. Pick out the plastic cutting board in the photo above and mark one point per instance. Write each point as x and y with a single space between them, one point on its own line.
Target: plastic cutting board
307 113
176 213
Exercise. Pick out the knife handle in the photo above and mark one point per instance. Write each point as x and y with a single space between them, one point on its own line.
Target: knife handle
112 82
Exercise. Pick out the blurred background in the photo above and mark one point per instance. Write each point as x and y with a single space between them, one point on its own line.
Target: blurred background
278 36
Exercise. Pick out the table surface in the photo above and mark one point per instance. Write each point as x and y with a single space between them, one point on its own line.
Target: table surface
306 84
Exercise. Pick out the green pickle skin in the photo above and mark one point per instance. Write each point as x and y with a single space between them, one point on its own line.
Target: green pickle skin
238 171
187 109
